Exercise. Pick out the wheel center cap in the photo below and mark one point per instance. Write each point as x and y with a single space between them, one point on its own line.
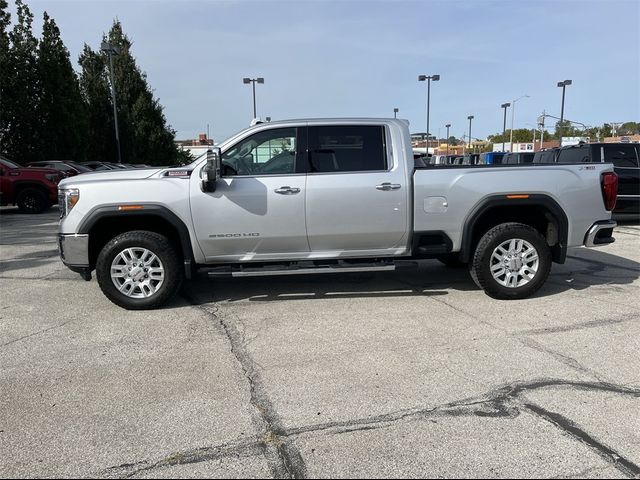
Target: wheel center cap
515 264
137 274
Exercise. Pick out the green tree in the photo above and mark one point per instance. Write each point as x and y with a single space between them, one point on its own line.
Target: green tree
144 133
22 95
62 112
5 20
94 89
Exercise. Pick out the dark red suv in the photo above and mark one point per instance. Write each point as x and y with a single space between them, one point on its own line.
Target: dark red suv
33 190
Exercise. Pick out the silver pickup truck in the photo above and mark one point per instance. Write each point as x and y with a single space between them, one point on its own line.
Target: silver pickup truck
328 195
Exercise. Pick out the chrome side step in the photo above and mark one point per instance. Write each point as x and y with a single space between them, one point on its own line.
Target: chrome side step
295 270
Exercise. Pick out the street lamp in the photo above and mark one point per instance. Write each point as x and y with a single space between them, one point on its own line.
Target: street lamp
111 49
504 123
563 85
448 125
395 112
513 112
470 117
428 78
253 81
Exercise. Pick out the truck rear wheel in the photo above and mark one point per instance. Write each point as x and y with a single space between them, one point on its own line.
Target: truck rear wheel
139 270
511 261
32 200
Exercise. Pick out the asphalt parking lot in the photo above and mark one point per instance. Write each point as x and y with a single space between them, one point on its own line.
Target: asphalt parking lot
403 374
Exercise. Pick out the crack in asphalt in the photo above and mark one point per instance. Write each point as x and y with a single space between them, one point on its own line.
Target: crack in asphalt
282 455
563 423
580 326
39 332
501 402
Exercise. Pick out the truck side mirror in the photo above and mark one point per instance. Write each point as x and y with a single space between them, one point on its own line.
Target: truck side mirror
211 171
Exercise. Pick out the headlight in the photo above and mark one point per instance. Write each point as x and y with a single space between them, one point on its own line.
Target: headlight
67 199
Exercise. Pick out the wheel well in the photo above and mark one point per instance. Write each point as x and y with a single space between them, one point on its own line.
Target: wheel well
550 224
25 185
107 228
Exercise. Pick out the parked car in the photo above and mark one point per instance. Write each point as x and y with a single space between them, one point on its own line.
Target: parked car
626 162
97 166
491 158
349 198
545 156
438 160
68 168
33 190
517 158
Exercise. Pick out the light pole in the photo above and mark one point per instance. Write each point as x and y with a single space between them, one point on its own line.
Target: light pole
448 125
111 49
395 112
513 112
253 81
428 78
563 85
470 117
504 123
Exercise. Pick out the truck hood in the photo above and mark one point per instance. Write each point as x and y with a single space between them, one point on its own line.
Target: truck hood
110 176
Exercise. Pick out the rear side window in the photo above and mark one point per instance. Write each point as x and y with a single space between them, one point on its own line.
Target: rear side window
348 148
574 155
622 156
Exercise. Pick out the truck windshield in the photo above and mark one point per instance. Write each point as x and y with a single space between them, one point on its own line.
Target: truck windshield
8 163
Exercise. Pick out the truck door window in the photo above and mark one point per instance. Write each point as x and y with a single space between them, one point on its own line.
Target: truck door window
347 148
622 156
270 152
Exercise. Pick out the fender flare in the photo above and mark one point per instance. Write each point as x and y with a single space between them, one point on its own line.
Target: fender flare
493 201
112 211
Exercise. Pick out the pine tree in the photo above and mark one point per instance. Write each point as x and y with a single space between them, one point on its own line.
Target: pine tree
144 134
62 112
5 20
22 94
100 142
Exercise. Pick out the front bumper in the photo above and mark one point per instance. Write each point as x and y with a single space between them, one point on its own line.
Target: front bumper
74 252
600 233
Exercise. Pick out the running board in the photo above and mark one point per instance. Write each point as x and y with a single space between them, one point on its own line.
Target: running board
295 270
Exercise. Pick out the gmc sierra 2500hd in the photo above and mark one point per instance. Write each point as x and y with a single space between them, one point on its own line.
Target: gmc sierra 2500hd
327 195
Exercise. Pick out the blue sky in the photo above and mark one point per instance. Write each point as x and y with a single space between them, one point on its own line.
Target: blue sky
362 58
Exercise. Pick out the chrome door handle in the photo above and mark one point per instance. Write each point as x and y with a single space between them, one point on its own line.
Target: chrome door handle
388 186
287 190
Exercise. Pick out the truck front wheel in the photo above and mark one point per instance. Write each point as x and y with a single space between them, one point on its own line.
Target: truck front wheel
511 261
139 270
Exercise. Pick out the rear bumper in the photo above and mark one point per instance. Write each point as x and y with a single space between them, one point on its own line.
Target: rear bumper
600 233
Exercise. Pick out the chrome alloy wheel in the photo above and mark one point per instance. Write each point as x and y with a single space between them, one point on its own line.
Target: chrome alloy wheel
137 272
514 263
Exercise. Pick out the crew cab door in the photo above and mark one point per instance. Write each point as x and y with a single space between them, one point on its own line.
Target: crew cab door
257 210
357 192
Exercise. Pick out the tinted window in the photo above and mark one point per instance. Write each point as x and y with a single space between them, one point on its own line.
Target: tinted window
526 158
347 148
270 152
623 156
574 155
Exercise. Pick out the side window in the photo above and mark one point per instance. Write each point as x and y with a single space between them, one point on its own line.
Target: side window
270 152
347 148
622 156
574 155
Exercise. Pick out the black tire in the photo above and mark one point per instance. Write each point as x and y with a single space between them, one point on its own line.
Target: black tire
452 260
32 200
480 266
157 244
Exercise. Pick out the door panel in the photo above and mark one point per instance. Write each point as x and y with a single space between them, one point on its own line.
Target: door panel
245 219
257 211
354 203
